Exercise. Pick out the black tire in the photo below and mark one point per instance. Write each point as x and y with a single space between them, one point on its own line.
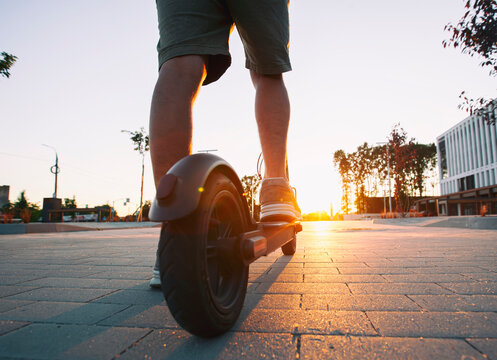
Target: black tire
205 286
290 247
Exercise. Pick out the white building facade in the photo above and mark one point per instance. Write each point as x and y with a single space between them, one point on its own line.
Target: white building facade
467 161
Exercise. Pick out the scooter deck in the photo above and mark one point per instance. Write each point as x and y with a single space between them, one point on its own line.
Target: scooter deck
268 237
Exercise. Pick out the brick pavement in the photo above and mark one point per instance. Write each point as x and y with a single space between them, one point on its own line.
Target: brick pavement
353 290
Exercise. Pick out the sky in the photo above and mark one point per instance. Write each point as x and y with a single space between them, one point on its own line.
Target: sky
86 70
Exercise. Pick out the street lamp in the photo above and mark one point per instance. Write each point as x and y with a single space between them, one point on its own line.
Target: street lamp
55 169
126 201
389 181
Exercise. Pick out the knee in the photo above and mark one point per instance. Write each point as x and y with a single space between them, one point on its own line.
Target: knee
261 79
188 68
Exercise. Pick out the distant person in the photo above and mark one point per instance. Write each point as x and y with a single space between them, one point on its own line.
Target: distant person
193 51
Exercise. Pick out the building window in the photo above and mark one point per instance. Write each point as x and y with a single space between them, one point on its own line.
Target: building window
443 158
466 183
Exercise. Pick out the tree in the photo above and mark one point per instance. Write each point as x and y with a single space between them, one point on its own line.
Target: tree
6 62
23 209
250 189
70 203
341 160
476 34
425 158
402 154
142 144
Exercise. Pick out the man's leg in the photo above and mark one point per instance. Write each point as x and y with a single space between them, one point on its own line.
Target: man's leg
179 82
272 111
171 118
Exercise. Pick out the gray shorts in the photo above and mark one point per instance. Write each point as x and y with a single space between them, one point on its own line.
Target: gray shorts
203 27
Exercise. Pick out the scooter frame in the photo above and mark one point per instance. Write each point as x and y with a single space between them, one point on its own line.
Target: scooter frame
179 192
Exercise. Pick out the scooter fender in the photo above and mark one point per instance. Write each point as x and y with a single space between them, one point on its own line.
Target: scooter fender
179 191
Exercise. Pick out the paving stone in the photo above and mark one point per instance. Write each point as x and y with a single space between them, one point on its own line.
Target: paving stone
39 311
126 275
288 265
358 302
6 305
435 324
7 326
325 278
426 278
486 346
84 283
456 302
46 341
354 347
446 270
62 294
178 344
134 297
274 277
302 288
272 301
105 345
475 288
353 265
87 314
143 316
373 271
16 279
304 322
488 276
397 288
9 290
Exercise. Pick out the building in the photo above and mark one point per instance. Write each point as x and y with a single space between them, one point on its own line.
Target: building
4 195
467 161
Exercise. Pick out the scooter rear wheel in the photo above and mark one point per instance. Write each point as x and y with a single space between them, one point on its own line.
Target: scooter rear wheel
290 247
203 281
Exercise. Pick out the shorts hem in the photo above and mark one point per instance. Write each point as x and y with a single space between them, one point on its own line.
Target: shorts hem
269 69
181 50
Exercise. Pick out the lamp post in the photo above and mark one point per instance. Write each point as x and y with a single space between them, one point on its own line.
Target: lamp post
55 169
389 180
126 201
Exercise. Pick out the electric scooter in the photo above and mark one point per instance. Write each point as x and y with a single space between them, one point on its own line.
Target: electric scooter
207 241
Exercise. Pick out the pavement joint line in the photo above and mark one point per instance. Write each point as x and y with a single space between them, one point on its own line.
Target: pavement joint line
474 347
114 314
414 301
133 344
372 325
348 287
445 288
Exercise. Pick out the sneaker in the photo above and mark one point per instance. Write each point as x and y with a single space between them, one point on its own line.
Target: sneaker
278 201
155 281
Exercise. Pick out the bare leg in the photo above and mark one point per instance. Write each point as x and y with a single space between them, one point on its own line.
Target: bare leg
171 112
272 111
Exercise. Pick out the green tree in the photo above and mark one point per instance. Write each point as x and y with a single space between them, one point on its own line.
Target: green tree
342 162
476 34
402 154
6 62
250 189
425 159
23 209
70 203
141 142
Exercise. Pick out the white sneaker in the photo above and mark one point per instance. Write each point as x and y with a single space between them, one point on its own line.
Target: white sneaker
155 281
278 201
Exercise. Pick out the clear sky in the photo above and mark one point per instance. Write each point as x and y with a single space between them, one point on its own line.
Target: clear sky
87 69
